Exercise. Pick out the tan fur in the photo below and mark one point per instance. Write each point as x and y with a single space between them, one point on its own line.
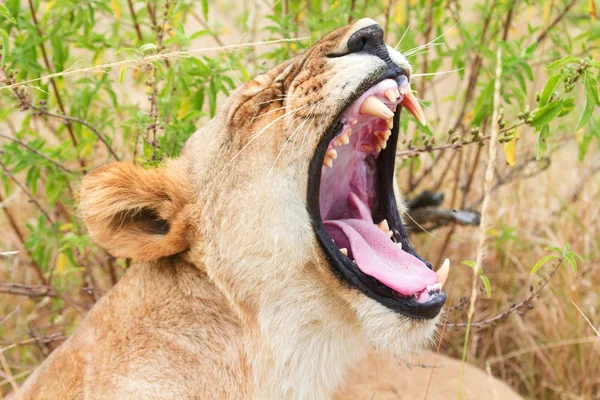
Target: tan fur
230 295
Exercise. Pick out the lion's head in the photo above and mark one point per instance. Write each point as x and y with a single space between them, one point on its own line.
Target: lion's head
285 199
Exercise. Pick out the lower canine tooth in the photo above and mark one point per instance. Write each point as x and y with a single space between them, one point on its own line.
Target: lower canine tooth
383 225
375 107
442 273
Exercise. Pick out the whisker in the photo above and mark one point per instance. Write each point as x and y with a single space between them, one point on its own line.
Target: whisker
403 35
256 135
437 73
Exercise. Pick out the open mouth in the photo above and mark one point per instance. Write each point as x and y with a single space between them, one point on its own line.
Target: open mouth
352 203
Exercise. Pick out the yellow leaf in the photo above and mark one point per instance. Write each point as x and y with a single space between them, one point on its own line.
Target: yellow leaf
183 110
592 10
61 263
399 14
116 7
510 149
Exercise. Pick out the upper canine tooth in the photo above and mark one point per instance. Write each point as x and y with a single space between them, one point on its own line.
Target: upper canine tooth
391 95
442 273
375 107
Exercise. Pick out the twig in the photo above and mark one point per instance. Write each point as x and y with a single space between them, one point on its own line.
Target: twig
514 307
556 20
27 192
53 337
135 21
487 186
79 121
52 82
21 237
28 290
586 319
42 155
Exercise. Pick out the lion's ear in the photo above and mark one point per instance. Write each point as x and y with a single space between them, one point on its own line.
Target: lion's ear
137 213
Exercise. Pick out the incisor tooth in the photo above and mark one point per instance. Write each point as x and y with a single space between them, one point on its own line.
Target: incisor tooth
391 95
442 273
375 107
366 147
332 154
399 244
344 251
376 144
328 162
390 122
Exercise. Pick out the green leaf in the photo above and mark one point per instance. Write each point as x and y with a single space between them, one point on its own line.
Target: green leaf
563 61
547 113
541 263
568 106
549 89
6 14
591 87
572 262
3 33
488 286
541 143
468 263
586 114
205 9
122 74
147 47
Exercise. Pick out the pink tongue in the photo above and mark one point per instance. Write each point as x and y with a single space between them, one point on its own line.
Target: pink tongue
377 256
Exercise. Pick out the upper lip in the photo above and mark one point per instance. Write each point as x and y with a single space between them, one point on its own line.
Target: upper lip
386 208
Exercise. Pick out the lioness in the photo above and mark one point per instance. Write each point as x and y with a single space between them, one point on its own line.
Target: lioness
270 257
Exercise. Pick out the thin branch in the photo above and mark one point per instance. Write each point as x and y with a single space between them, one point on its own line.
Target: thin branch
79 121
52 82
21 238
514 307
24 189
28 290
42 155
135 21
556 20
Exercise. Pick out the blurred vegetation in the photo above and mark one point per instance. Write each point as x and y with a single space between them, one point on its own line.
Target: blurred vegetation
53 130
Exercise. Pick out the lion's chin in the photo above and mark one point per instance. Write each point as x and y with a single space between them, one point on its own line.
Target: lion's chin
388 331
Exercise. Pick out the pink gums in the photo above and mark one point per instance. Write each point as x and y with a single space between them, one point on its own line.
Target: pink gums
347 196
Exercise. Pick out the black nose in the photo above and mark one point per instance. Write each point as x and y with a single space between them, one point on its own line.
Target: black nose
369 40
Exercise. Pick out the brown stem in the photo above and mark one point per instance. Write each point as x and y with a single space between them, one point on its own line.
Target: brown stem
21 237
556 20
27 192
79 121
135 21
52 82
352 7
28 290
513 307
426 34
475 69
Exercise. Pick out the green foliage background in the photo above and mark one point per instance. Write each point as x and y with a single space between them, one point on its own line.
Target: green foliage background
52 131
